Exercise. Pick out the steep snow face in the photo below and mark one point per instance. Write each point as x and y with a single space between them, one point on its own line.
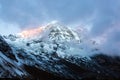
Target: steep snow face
58 32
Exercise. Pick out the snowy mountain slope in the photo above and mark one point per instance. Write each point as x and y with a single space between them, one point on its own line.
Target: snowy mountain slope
58 32
56 54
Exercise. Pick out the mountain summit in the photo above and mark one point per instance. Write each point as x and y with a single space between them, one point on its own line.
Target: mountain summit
53 31
58 32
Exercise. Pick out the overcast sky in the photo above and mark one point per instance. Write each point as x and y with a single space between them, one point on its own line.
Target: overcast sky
102 17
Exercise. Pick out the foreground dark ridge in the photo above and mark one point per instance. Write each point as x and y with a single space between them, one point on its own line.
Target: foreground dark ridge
99 67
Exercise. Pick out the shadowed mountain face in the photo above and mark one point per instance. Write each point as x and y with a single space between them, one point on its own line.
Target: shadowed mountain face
43 60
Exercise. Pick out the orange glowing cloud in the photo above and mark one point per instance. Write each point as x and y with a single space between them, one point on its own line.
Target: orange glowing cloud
31 32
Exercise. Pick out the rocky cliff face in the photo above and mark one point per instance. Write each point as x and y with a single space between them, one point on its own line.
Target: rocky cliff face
51 60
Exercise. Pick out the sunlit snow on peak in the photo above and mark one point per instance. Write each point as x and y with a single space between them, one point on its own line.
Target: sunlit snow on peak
27 33
31 32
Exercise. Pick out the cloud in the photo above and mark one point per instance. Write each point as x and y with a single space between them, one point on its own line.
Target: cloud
8 28
0 6
111 46
34 12
107 15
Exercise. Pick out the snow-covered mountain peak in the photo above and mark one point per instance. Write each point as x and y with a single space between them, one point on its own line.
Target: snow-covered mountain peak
58 32
53 31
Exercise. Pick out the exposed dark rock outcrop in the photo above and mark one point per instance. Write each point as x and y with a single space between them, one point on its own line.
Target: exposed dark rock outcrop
6 49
